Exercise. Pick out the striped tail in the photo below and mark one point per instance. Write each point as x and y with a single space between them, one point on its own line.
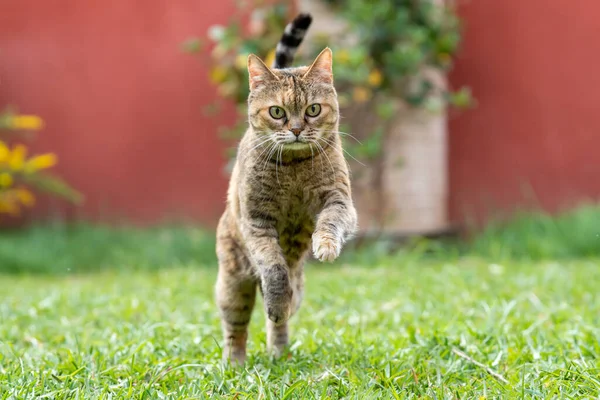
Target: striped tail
290 40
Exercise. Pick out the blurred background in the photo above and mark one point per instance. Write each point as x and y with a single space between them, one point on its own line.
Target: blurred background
459 114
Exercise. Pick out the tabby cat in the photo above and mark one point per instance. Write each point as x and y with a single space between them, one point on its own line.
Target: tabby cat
290 188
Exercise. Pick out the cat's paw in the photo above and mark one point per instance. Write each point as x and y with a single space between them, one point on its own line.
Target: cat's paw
277 294
325 247
279 310
233 357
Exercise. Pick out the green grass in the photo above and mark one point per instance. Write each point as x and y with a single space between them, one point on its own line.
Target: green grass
62 249
89 311
407 330
527 236
537 235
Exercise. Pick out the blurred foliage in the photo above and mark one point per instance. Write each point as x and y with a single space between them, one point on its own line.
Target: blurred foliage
254 29
392 51
538 235
380 59
20 173
526 235
65 248
394 41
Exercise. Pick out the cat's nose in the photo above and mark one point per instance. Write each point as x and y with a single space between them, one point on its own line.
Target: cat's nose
296 131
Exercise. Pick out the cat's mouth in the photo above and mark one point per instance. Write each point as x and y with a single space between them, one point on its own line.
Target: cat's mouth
293 142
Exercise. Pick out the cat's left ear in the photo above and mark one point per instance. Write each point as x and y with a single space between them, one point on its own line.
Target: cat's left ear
258 72
321 68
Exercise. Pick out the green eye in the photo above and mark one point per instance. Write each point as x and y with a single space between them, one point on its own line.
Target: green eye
276 112
313 110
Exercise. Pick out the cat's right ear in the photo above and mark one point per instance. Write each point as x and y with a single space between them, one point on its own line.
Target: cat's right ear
258 72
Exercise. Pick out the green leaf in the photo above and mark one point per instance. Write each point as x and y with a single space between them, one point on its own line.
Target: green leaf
371 146
461 98
386 110
192 45
54 185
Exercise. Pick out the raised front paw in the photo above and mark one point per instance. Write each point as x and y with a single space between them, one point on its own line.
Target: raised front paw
325 246
277 294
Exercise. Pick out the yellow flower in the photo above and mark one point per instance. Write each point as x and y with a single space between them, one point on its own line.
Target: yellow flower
8 203
375 78
241 61
342 56
16 160
270 59
4 152
25 197
6 180
40 162
361 94
32 122
218 74
9 208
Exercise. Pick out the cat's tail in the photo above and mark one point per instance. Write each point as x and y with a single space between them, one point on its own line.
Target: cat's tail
290 40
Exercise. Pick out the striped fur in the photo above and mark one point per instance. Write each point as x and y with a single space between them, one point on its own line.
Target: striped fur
289 192
290 41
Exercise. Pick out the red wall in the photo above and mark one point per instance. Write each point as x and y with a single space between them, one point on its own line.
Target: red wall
535 135
122 103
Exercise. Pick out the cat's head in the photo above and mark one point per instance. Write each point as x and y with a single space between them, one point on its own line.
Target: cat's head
293 107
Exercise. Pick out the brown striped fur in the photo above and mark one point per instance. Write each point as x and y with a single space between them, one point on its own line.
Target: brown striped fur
285 195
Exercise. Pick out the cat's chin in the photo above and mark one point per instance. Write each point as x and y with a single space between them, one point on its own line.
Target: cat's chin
296 146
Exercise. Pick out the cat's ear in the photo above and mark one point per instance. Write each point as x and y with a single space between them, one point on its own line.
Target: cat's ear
258 72
320 70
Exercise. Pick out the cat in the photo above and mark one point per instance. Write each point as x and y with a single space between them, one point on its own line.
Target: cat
289 189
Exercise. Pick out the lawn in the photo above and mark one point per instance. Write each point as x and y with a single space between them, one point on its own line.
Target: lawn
408 327
91 311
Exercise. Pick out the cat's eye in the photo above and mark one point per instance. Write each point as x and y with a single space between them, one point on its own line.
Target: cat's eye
277 112
313 110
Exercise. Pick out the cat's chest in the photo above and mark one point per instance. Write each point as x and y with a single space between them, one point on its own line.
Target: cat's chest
290 194
297 211
297 202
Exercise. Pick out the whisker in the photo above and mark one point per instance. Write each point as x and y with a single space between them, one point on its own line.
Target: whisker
260 135
344 150
261 143
325 154
274 149
265 151
346 134
277 163
257 142
318 152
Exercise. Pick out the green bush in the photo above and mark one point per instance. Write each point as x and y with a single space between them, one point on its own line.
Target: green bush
392 43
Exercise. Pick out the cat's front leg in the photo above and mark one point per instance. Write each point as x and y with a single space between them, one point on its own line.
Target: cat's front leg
335 224
265 252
